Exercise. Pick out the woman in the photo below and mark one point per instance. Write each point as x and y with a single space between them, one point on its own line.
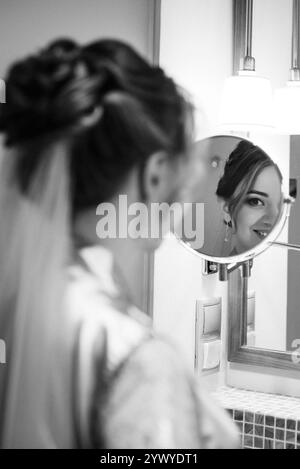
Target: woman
83 125
251 193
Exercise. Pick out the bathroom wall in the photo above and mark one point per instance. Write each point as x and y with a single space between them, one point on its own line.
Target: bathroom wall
196 49
25 25
265 421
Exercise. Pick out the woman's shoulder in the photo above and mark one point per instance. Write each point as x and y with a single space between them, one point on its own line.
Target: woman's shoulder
153 401
94 310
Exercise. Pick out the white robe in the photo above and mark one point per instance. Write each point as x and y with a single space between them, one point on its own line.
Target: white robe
108 381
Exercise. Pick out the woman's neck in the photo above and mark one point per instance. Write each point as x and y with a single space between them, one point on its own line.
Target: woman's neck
128 254
130 265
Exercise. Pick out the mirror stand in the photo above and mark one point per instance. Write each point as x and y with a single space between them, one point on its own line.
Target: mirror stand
225 269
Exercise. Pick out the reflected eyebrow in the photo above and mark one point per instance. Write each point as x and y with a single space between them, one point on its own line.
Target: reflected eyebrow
264 194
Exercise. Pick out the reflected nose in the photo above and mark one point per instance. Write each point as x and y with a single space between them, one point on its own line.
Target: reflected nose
194 186
270 216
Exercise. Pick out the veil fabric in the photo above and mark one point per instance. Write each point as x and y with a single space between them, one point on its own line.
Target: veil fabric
33 252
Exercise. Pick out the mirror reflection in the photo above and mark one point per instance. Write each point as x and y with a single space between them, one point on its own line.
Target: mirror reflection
272 305
242 196
273 297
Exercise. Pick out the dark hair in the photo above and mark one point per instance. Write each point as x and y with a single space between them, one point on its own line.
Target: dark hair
241 170
52 95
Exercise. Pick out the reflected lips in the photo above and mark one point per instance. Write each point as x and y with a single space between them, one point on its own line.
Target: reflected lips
262 234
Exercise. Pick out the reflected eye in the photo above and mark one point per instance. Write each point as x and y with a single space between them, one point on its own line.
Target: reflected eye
255 202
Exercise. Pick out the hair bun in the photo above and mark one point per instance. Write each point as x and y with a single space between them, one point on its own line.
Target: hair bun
33 86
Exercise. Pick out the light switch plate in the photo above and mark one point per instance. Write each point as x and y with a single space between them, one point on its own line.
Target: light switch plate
207 326
211 354
208 315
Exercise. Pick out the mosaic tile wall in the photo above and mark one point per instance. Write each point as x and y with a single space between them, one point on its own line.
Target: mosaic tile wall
265 421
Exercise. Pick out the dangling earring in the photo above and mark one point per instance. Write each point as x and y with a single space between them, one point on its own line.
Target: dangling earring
228 228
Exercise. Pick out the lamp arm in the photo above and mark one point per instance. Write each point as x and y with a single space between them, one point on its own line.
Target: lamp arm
249 61
295 66
293 247
249 27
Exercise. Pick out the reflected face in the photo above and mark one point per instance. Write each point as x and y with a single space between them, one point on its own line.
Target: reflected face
194 175
182 176
259 211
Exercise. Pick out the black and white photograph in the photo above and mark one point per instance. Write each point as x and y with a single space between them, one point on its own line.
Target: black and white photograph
149 227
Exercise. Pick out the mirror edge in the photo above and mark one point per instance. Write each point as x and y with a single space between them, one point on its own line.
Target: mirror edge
238 353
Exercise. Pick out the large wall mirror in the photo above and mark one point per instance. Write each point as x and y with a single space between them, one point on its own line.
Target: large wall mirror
265 316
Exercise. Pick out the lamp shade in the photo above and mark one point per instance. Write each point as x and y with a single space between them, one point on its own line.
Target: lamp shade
247 103
287 109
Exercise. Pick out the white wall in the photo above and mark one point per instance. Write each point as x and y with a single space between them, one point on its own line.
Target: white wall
26 25
196 49
272 34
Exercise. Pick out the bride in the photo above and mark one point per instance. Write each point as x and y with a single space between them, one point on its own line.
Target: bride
82 125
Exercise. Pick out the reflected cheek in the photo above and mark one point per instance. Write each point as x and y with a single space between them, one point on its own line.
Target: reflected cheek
176 189
245 220
273 214
193 183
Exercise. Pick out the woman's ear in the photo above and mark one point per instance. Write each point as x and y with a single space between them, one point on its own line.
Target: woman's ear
226 214
228 220
224 207
159 178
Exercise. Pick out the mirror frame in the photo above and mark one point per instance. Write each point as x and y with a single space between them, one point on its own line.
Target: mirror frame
238 352
264 244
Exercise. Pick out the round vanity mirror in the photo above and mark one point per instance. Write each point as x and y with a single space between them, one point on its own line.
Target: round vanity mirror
238 204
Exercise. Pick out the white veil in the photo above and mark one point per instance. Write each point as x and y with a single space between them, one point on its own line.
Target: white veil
34 238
